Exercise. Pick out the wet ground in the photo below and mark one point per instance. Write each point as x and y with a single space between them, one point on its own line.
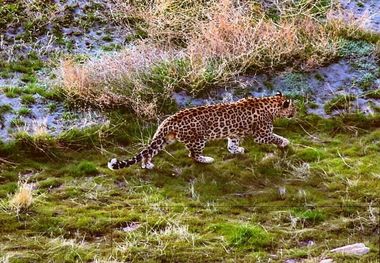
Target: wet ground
357 74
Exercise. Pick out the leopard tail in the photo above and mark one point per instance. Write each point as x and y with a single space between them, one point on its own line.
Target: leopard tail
159 141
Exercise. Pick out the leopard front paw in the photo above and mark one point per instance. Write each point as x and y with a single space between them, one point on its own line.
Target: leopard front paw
284 143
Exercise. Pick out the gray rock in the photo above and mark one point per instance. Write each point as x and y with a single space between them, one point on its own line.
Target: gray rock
358 249
327 260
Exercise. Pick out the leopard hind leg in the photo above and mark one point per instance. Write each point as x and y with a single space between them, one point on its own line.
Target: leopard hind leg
195 148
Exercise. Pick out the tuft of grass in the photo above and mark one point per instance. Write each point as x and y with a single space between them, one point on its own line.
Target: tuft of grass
12 92
366 81
247 237
340 102
24 112
310 154
375 94
310 217
39 141
5 108
86 168
52 107
28 99
17 122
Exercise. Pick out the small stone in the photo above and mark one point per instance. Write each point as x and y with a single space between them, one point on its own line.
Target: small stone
290 261
131 227
282 191
327 260
358 249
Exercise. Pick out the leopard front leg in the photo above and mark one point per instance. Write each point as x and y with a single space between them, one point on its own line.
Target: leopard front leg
265 135
233 146
195 148
278 140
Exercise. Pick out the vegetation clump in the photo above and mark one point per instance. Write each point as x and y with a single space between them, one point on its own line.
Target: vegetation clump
340 102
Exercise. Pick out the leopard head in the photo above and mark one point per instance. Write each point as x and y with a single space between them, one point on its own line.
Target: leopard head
287 109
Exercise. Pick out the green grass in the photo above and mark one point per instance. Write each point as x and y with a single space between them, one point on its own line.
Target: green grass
184 211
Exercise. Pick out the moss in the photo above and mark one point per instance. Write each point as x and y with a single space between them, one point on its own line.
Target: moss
86 168
50 183
356 48
295 84
310 154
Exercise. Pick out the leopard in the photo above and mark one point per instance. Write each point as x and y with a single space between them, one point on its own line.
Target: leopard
194 127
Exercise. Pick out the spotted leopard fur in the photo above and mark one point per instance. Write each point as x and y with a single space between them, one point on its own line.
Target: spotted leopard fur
195 126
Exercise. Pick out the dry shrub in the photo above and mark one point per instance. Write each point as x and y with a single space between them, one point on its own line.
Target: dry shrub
173 21
116 80
233 36
123 13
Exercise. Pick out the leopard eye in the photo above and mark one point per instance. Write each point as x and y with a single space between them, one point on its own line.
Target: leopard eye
286 104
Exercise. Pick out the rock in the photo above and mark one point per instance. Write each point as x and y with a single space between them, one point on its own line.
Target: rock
327 260
358 249
131 227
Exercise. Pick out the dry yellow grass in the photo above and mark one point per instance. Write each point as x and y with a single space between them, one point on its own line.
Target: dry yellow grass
22 199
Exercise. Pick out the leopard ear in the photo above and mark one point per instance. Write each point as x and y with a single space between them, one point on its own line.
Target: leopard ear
278 93
286 104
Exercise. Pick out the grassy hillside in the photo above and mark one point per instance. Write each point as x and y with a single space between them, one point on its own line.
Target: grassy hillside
266 204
